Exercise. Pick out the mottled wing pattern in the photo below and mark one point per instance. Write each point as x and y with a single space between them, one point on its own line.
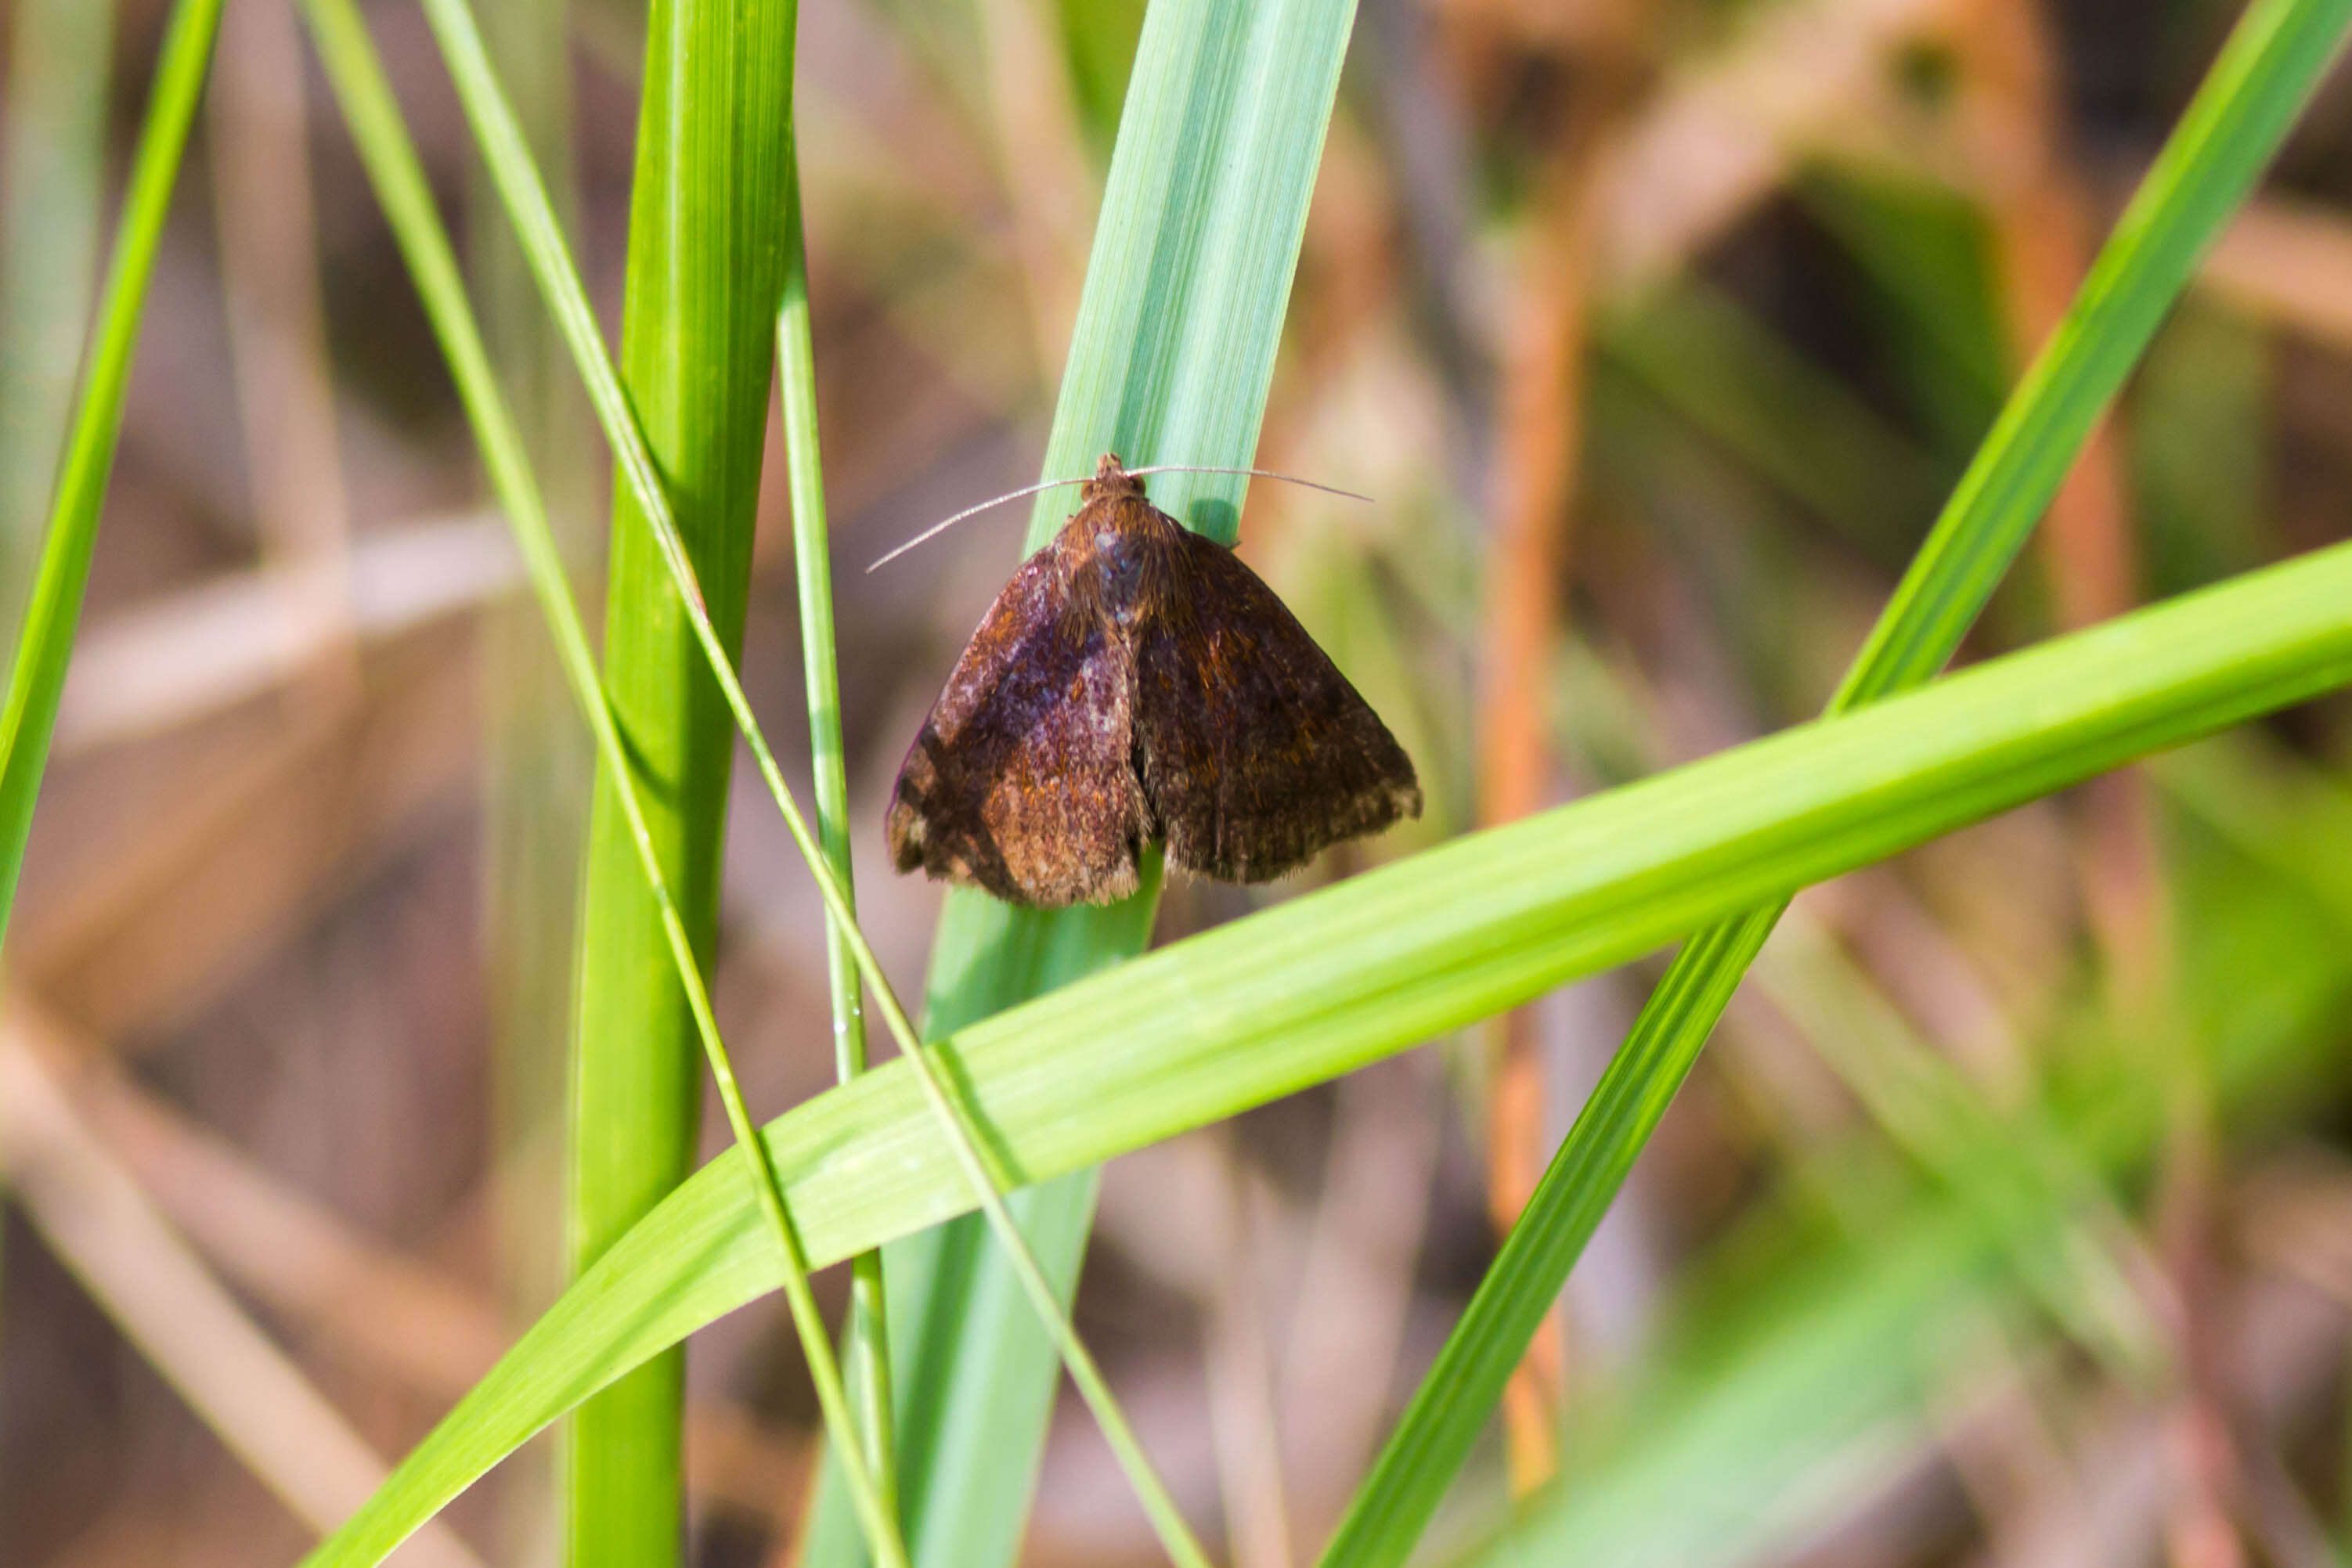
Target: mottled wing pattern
1257 754
1022 780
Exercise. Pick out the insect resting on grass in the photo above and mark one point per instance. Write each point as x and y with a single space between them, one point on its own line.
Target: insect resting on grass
1137 682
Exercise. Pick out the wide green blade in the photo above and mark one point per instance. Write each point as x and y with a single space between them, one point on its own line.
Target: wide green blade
706 271
1301 993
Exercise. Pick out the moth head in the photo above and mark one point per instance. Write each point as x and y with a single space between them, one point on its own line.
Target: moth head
1111 481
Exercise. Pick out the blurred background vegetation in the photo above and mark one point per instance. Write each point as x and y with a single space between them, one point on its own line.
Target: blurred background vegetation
2009 1218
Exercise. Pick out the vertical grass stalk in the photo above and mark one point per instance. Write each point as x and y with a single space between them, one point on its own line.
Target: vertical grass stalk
1170 359
705 268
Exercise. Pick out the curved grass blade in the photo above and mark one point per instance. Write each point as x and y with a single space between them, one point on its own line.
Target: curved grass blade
1308 990
2250 99
393 165
45 642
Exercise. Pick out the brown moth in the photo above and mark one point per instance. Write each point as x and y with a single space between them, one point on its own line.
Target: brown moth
1134 681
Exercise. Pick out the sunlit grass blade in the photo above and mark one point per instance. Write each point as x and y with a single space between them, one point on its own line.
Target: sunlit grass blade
696 356
866 1335
2249 98
399 178
45 641
1318 986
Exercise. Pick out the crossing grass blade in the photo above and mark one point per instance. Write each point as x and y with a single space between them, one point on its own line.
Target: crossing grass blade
1318 986
44 641
2265 73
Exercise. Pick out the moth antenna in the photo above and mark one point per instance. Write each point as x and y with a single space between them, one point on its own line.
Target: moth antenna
939 528
1261 472
944 525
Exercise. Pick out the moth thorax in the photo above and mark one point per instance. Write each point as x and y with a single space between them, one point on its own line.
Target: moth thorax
1120 561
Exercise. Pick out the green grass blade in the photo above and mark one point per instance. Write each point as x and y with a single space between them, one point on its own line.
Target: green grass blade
1302 992
1170 358
45 641
866 1335
705 271
399 178
2266 72
53 182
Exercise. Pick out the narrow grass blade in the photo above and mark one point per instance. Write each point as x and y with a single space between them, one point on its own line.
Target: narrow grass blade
399 177
1305 991
866 1334
53 183
705 270
45 641
2264 75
